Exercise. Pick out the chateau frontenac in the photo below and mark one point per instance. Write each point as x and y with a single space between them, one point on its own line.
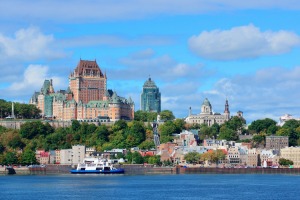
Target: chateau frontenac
86 98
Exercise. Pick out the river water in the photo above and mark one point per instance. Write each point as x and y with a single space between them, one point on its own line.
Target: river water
181 187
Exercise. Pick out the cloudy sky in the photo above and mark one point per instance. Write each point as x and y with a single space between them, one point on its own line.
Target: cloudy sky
247 52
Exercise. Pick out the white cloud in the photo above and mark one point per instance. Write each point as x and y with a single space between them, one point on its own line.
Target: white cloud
139 65
269 92
28 44
32 80
242 42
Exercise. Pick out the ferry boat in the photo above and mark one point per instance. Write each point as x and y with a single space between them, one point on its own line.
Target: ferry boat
96 166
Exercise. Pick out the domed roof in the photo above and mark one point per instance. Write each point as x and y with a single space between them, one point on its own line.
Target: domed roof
149 84
206 102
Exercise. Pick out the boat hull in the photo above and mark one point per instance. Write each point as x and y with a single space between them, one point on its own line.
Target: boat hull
113 171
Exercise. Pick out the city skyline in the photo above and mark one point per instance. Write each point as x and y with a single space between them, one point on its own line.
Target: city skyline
246 52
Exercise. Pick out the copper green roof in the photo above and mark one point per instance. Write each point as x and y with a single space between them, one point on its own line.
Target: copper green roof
149 84
97 104
206 102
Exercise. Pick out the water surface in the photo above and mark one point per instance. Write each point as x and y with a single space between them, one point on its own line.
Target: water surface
181 187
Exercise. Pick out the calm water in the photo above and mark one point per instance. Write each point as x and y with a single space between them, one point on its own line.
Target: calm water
144 187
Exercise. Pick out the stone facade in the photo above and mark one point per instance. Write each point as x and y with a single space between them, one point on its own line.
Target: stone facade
277 142
291 153
86 98
206 115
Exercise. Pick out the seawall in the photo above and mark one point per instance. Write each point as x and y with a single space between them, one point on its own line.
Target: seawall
134 169
16 124
240 170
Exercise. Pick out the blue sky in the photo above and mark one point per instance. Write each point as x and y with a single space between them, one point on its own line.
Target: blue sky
247 52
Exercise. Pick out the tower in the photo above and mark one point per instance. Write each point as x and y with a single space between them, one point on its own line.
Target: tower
87 82
150 97
226 110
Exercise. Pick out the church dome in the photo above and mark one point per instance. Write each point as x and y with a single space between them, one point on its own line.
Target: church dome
206 102
149 84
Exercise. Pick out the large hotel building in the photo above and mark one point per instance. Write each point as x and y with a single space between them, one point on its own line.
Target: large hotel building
87 97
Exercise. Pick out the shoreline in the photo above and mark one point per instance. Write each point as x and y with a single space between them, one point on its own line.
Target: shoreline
150 169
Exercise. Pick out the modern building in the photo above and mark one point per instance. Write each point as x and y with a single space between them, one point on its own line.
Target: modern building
277 142
150 97
86 98
207 116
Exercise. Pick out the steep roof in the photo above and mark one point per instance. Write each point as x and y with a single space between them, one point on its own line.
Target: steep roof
88 66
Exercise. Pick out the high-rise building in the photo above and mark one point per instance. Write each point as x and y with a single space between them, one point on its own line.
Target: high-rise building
85 99
150 97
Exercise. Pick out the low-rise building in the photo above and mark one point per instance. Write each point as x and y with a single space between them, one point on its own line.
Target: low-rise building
277 142
234 156
269 158
291 153
252 158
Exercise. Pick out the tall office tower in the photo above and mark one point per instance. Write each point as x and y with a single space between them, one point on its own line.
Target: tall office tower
150 97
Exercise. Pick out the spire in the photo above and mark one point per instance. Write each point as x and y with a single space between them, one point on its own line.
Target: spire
226 107
51 89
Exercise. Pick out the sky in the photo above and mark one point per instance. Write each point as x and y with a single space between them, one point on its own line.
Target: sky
245 51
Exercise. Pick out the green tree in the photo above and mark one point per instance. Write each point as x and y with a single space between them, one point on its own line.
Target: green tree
235 123
16 142
180 124
285 162
119 125
260 125
154 160
10 158
102 133
166 130
259 139
137 158
192 157
227 134
291 124
28 157
147 145
30 130
2 148
218 155
166 115
136 132
145 116
75 125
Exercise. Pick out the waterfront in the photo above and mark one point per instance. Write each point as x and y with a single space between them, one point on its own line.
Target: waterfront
187 186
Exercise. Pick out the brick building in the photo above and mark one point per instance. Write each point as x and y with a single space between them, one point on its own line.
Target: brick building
86 98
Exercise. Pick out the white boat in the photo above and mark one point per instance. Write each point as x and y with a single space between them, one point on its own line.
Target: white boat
96 166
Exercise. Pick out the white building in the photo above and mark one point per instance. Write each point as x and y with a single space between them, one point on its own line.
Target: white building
206 115
285 118
72 156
